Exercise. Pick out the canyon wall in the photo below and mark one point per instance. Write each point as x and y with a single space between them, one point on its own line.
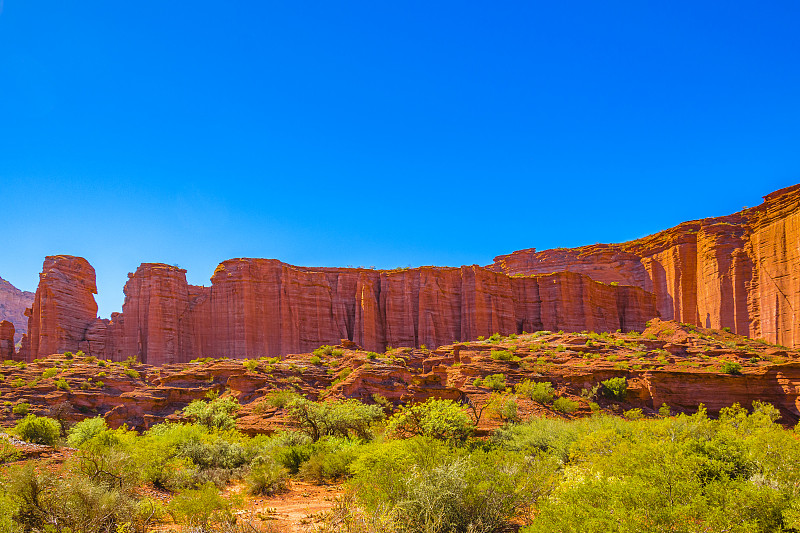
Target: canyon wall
738 271
263 307
13 303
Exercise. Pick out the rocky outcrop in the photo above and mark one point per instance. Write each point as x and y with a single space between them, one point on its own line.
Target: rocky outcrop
739 271
6 340
13 303
63 308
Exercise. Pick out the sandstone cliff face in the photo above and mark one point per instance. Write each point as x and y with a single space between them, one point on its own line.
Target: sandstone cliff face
63 307
739 271
6 340
262 307
13 303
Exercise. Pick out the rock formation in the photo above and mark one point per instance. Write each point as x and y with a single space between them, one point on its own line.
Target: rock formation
63 307
262 307
6 340
740 271
13 303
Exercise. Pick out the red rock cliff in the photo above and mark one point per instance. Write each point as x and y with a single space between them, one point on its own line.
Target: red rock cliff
63 307
739 271
262 307
6 340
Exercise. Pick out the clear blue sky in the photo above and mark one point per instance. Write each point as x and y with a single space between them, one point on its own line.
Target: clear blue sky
380 133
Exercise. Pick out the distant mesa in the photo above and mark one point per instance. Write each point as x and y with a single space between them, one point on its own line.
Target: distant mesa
740 272
13 303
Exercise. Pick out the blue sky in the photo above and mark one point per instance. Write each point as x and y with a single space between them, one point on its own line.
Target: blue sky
377 133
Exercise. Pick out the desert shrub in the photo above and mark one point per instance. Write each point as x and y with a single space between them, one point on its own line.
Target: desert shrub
73 502
504 406
372 356
541 392
216 414
502 355
8 453
315 360
62 384
340 418
616 388
85 430
633 414
329 460
432 487
565 405
731 367
324 350
201 507
21 409
131 373
38 430
49 373
267 478
68 355
280 398
439 419
664 410
18 382
495 382
250 364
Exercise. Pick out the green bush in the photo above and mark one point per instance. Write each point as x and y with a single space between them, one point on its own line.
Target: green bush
267 478
565 405
502 355
21 409
85 430
62 384
216 414
38 430
616 388
541 392
201 507
329 460
731 367
431 487
438 419
250 364
131 373
280 398
340 418
495 382
49 373
315 360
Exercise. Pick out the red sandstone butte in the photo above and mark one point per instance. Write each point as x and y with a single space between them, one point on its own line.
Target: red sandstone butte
63 307
740 271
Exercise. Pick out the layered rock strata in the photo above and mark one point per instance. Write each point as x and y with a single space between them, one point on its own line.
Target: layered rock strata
740 271
262 307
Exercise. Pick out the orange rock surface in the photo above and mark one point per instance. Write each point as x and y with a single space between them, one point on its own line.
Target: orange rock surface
6 340
740 271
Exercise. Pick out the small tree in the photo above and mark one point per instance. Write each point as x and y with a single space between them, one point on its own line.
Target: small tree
440 419
616 388
341 418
